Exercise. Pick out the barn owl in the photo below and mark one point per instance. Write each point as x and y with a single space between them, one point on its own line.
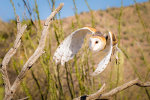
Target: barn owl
97 42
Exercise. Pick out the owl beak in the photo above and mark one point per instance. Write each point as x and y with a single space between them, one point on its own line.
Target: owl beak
91 46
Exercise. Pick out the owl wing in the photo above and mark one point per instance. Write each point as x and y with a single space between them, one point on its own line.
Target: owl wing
71 45
104 62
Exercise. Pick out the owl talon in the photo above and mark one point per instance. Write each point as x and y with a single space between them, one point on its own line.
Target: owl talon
118 49
117 61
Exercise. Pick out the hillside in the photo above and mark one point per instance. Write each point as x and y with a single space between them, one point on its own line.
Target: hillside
134 42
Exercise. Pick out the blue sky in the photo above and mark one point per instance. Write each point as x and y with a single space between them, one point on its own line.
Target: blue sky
7 12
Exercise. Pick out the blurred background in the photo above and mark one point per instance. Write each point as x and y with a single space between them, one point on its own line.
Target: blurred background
128 19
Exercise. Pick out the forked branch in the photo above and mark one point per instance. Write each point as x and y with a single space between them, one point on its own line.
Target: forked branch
10 53
10 90
107 95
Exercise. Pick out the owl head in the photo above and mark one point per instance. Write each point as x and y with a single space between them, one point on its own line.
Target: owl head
97 42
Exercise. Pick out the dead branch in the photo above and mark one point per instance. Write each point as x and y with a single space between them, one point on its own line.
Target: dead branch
10 90
125 86
92 96
26 98
10 53
107 95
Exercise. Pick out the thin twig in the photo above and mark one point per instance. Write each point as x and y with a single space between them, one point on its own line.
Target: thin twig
30 13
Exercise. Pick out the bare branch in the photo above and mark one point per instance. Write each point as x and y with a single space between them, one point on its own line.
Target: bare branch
107 95
10 53
96 95
92 96
125 86
38 52
26 98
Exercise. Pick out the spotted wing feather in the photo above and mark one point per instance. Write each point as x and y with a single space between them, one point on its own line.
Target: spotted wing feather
70 46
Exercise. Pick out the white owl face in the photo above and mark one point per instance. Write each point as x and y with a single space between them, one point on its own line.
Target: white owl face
97 43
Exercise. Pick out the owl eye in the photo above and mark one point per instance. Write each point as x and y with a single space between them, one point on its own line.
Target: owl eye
96 42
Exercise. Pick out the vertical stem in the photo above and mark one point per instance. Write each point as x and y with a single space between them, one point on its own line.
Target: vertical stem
38 15
14 8
60 85
119 36
76 13
38 85
142 22
92 15
68 81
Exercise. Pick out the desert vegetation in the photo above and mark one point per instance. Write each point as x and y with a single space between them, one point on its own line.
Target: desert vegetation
129 76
